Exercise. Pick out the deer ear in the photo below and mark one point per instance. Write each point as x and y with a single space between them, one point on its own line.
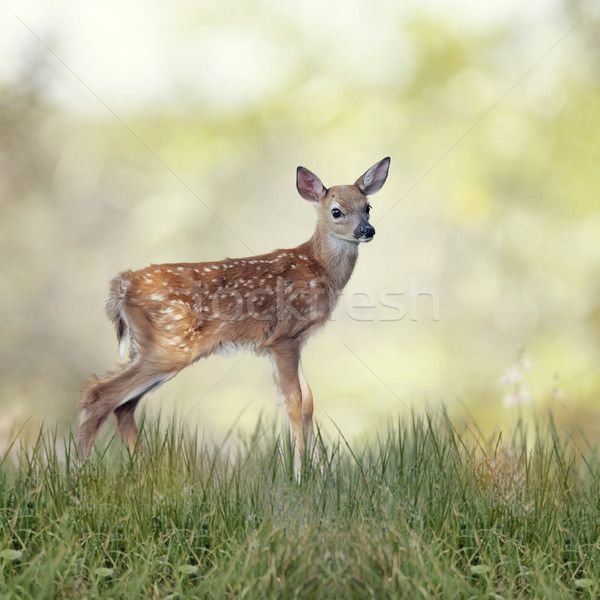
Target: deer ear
309 185
372 181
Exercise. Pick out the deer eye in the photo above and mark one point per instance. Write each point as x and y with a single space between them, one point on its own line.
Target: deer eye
336 213
368 208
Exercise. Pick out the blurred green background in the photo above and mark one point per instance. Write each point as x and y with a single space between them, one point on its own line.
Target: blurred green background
151 132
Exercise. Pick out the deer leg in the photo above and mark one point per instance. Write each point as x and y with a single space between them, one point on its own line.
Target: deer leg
100 397
125 417
307 405
286 361
307 414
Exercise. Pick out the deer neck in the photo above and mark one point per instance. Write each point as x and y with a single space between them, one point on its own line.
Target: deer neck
336 256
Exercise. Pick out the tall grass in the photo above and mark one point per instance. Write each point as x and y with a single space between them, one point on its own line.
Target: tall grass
425 511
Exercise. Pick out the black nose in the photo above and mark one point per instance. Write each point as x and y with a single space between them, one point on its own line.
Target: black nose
367 231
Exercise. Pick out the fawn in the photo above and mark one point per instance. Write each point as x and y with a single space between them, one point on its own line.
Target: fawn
174 314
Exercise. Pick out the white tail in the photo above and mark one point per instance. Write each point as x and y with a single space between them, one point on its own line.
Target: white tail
171 315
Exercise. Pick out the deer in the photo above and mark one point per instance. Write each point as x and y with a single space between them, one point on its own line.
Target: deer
172 315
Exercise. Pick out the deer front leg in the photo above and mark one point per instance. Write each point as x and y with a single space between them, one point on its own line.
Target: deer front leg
286 363
307 414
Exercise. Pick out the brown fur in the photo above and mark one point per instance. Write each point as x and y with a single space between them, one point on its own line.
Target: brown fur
175 314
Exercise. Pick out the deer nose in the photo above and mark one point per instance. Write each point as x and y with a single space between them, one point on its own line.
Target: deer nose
367 231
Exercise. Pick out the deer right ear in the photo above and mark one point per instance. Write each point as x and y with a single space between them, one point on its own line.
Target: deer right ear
309 185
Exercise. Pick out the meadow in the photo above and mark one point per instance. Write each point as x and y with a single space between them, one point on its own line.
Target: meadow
179 141
428 509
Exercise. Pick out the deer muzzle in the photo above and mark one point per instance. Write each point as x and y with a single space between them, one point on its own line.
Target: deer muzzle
364 232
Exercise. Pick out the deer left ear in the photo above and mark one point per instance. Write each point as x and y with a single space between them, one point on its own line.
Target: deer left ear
372 181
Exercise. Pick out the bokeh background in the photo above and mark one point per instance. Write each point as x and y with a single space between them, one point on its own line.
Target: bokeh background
144 132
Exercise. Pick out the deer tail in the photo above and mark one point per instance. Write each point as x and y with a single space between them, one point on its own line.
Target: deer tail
115 310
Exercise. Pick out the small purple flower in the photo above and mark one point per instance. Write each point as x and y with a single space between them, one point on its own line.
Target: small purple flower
520 396
511 375
525 362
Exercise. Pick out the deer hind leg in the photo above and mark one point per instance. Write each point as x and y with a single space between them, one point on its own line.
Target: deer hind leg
100 397
286 361
126 425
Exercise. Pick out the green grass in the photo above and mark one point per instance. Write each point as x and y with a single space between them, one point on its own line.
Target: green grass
425 511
